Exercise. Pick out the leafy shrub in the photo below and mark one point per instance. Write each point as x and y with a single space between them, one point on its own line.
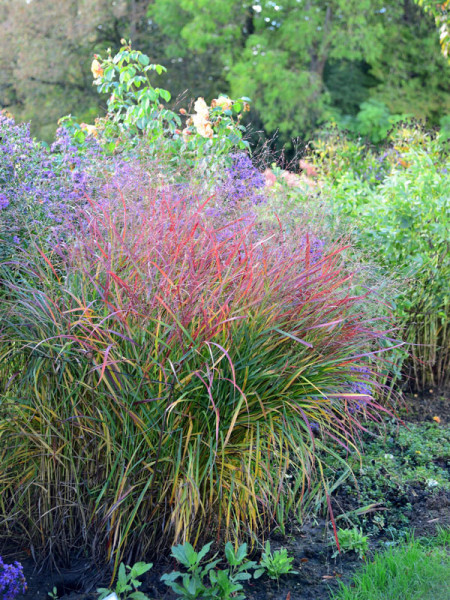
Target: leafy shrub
445 127
403 216
373 121
136 113
348 162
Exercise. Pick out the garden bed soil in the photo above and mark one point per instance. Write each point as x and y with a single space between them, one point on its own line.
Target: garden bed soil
420 408
308 543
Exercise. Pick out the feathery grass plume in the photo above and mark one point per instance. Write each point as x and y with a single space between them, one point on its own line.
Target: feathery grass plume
166 373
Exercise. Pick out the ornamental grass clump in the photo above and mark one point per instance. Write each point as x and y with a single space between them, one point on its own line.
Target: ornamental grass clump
168 374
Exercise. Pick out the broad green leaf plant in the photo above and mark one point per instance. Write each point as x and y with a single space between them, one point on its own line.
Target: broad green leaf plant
352 540
203 580
275 564
127 583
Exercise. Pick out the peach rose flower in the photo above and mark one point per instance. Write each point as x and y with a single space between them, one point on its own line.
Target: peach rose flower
96 68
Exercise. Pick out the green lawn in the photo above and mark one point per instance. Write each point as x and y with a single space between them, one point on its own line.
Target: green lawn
416 570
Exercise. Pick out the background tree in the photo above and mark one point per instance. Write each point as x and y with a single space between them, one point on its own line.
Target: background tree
303 62
440 9
47 49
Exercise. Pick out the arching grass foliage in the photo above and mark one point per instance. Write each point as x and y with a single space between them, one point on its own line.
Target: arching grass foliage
166 372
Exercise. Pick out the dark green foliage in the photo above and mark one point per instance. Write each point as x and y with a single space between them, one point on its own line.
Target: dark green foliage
302 63
394 470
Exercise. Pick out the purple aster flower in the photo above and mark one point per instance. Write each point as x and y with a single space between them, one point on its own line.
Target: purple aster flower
12 580
4 202
243 180
362 385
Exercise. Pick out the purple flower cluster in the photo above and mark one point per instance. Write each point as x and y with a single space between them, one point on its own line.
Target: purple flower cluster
12 580
316 246
4 202
39 185
243 181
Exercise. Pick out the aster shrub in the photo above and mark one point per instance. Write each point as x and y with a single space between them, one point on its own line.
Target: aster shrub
181 372
40 186
243 181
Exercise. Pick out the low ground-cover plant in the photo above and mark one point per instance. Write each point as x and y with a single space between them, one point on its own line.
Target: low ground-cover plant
396 468
415 570
275 564
202 579
174 366
396 200
352 540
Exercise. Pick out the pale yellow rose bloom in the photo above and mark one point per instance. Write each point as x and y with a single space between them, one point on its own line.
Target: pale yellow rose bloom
201 108
206 130
96 69
89 129
201 119
223 102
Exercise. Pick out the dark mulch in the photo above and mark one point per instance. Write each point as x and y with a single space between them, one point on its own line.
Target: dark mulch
419 408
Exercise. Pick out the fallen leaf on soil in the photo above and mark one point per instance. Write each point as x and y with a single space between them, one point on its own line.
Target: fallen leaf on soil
437 419
288 597
303 560
328 576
